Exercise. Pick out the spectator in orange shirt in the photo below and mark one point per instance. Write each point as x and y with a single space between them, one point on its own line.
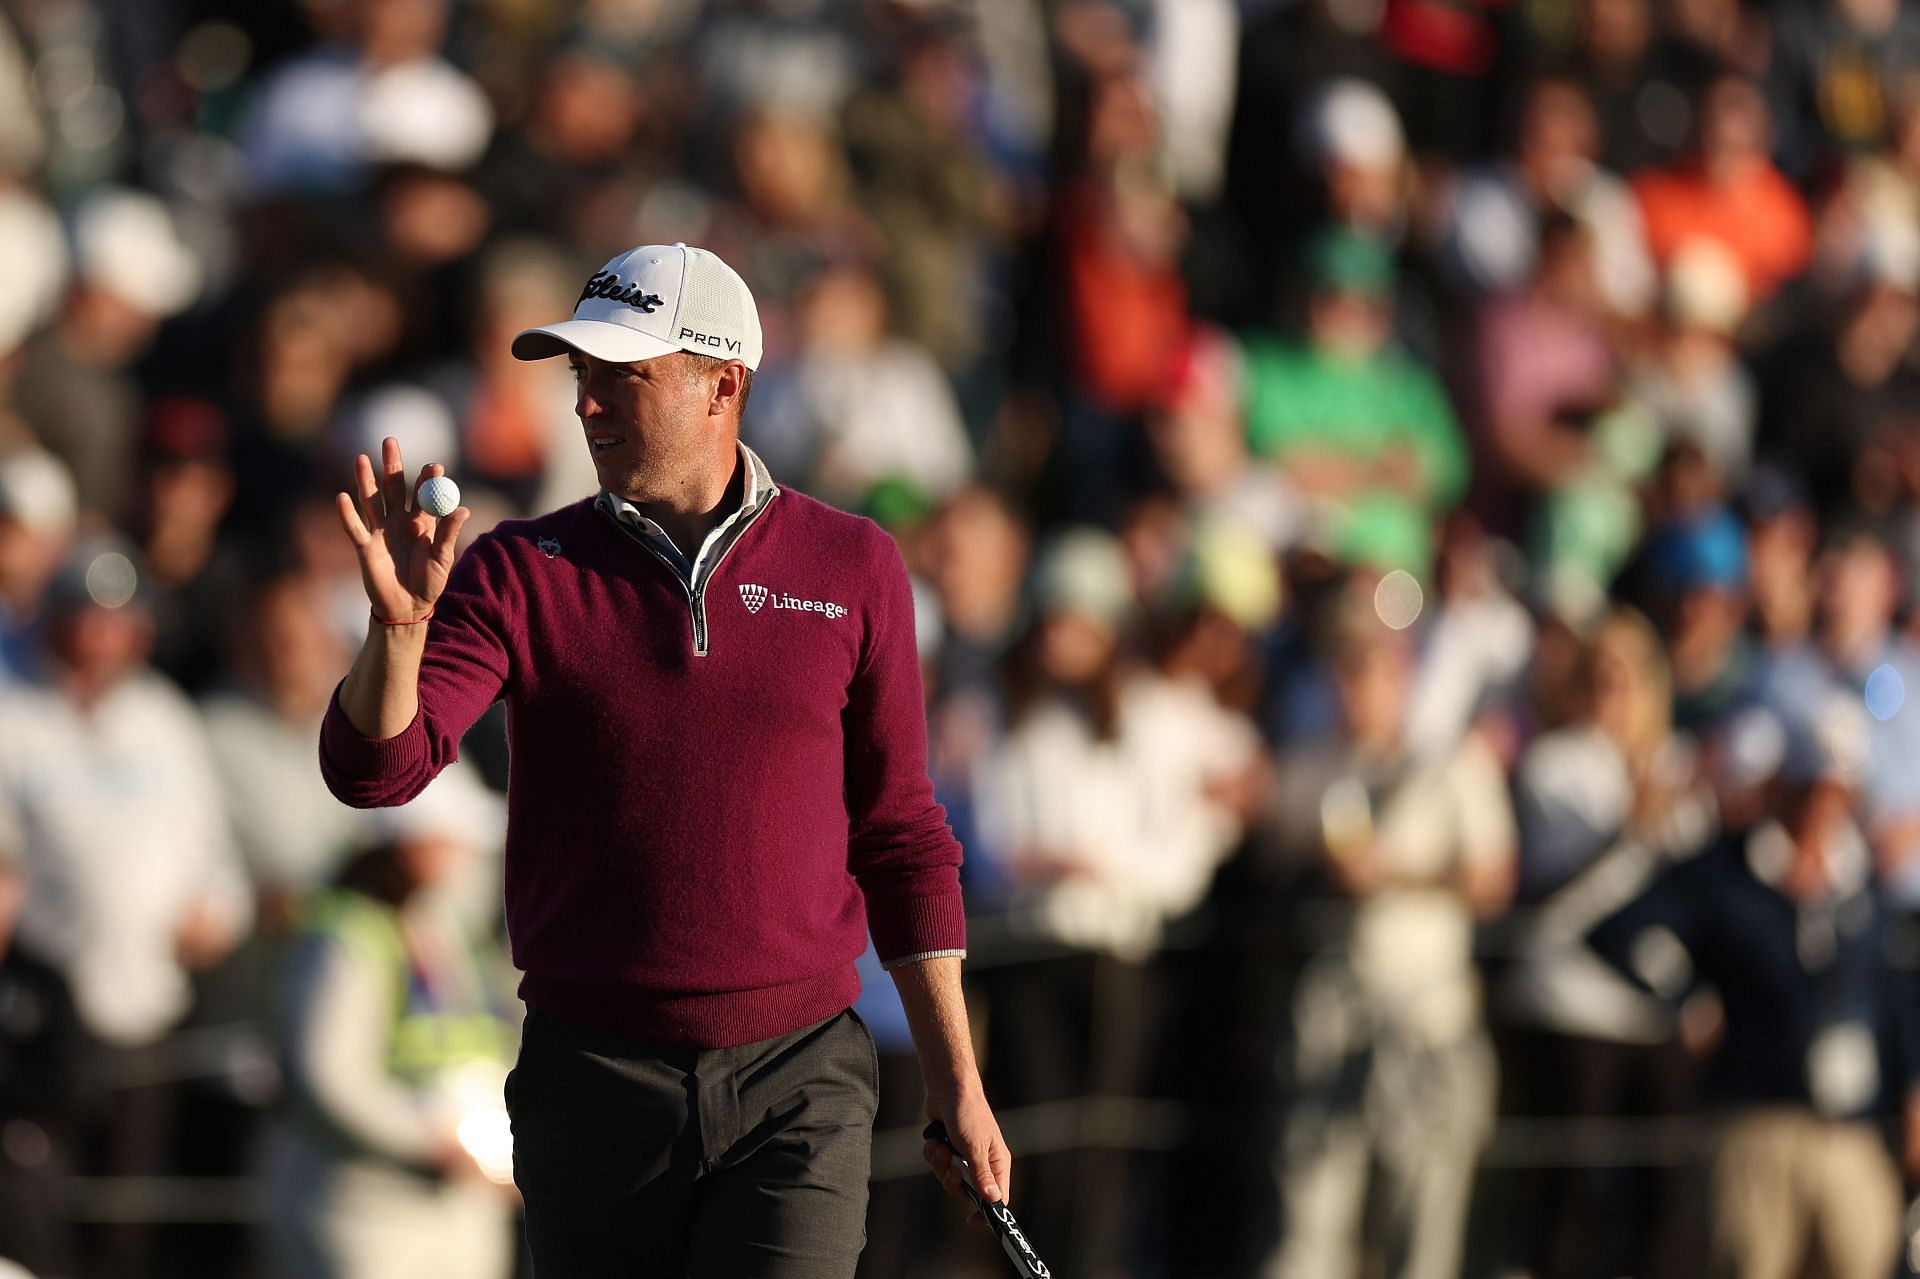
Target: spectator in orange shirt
1730 192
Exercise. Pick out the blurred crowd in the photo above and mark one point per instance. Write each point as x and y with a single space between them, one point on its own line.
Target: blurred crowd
1413 513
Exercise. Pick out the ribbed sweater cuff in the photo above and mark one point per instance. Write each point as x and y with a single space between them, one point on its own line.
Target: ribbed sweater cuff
906 926
352 754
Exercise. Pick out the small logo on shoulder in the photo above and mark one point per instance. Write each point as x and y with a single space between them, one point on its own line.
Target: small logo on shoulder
549 546
753 596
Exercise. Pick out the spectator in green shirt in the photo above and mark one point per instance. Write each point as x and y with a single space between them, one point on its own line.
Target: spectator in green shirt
1366 433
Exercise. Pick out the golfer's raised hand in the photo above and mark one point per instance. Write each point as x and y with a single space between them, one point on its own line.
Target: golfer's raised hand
405 554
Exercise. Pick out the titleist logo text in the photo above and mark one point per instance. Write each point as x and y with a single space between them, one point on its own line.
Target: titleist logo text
607 285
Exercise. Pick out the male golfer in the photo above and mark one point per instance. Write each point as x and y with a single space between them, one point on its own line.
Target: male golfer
718 785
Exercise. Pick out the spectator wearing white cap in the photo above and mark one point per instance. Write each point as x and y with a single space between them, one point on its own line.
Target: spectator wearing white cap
415 417
110 806
1492 222
382 96
76 390
1350 135
1099 794
1691 379
1101 806
37 518
109 799
1292 61
858 407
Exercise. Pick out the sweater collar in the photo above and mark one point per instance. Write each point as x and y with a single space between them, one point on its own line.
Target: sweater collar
757 490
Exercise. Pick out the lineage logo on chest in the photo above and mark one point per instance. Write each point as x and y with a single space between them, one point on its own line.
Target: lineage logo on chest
756 597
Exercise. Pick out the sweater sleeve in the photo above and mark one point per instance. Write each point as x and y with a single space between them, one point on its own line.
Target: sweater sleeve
899 847
465 669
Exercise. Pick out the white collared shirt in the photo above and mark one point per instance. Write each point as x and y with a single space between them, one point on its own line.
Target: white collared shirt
116 817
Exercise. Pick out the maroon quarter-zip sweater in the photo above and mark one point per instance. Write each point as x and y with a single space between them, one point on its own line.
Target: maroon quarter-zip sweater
697 842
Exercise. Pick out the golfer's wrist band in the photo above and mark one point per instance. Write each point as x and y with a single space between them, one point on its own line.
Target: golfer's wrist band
410 621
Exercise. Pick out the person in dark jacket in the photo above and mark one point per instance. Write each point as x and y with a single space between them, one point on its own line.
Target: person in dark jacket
1787 924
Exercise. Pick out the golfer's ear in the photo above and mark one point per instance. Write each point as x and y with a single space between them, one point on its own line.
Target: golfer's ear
730 392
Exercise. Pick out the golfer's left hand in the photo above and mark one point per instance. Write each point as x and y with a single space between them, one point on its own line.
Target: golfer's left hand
975 1133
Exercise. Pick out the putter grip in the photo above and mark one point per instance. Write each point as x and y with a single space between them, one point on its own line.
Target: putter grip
1013 1240
937 1131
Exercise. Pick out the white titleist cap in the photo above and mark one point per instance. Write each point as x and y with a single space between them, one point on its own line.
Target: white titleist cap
652 301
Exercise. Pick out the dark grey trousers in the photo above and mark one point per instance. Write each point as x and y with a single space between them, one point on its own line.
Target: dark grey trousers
731 1163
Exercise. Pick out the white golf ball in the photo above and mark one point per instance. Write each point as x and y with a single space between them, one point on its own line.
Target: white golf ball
439 496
